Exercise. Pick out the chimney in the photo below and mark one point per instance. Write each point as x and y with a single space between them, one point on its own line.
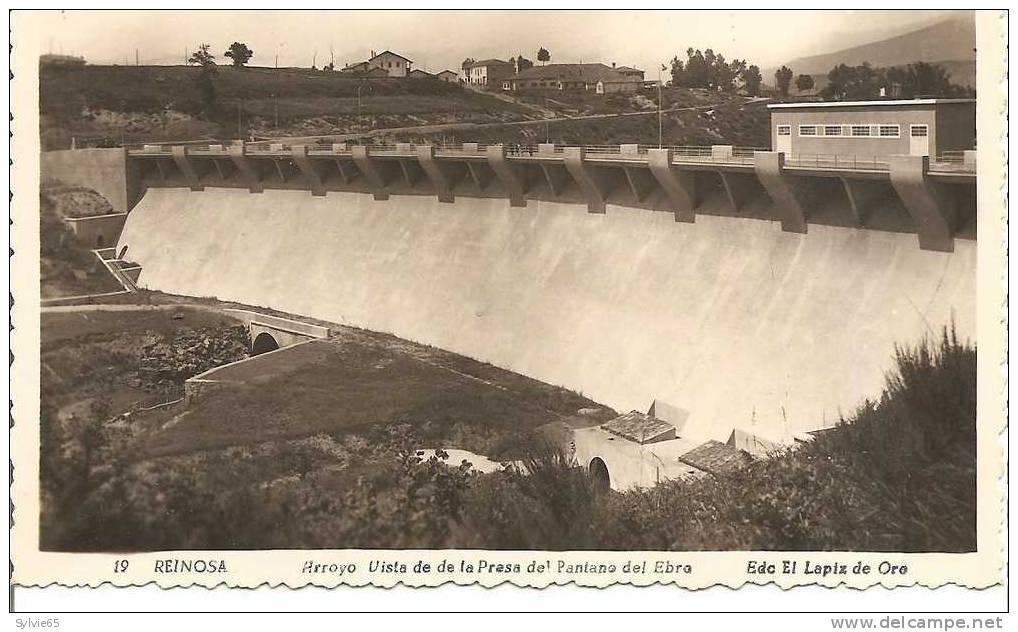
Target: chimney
372 55
613 64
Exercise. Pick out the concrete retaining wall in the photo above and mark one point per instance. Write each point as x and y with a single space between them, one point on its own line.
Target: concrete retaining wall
97 231
107 171
730 318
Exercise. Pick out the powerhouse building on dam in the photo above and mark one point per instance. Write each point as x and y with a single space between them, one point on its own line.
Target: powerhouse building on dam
741 296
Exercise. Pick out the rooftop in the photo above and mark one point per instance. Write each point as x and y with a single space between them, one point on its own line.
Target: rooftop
856 104
487 62
574 72
389 52
716 457
640 428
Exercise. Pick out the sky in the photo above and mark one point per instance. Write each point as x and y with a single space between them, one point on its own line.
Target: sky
436 40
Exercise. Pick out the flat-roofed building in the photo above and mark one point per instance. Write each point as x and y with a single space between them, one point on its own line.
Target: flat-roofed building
920 127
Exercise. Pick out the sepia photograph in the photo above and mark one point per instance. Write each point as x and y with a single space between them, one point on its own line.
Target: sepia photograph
519 280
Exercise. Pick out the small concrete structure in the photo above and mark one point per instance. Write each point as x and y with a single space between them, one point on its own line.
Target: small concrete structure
624 463
753 443
97 231
274 332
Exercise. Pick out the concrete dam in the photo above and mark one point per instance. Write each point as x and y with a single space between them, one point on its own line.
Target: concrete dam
728 314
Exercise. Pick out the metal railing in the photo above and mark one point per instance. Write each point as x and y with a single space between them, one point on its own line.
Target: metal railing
954 161
947 162
846 162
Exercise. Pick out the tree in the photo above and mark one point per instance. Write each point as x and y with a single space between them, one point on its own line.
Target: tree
697 73
239 53
522 63
783 79
678 72
202 57
206 61
804 83
753 79
543 55
854 82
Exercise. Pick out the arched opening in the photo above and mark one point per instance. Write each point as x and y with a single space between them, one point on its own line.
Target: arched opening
123 253
263 343
599 474
100 241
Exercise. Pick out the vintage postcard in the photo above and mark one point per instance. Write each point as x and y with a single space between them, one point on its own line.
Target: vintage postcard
529 297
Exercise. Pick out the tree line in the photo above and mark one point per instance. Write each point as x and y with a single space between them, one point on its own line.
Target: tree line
710 70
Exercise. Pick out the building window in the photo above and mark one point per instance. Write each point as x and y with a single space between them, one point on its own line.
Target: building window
919 130
890 131
860 130
807 130
832 130
784 130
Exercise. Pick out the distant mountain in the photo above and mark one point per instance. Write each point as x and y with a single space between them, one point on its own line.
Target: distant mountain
950 42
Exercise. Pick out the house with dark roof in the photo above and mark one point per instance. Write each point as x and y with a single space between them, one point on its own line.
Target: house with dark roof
448 76
362 69
596 77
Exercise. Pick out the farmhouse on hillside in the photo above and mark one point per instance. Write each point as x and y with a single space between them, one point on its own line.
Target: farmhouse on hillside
394 65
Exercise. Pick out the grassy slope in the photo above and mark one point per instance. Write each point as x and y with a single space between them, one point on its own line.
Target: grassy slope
163 103
371 381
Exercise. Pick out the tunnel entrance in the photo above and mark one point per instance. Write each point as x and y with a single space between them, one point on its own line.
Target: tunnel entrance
599 474
263 343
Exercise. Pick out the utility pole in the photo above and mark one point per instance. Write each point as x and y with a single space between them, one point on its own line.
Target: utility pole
135 56
275 106
660 105
239 135
277 60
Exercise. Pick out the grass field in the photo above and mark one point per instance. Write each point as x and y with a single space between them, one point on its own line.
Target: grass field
358 380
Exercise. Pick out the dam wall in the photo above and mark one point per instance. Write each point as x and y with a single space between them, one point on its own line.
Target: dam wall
728 318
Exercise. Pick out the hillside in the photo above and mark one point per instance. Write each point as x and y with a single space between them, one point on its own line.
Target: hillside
112 105
950 43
